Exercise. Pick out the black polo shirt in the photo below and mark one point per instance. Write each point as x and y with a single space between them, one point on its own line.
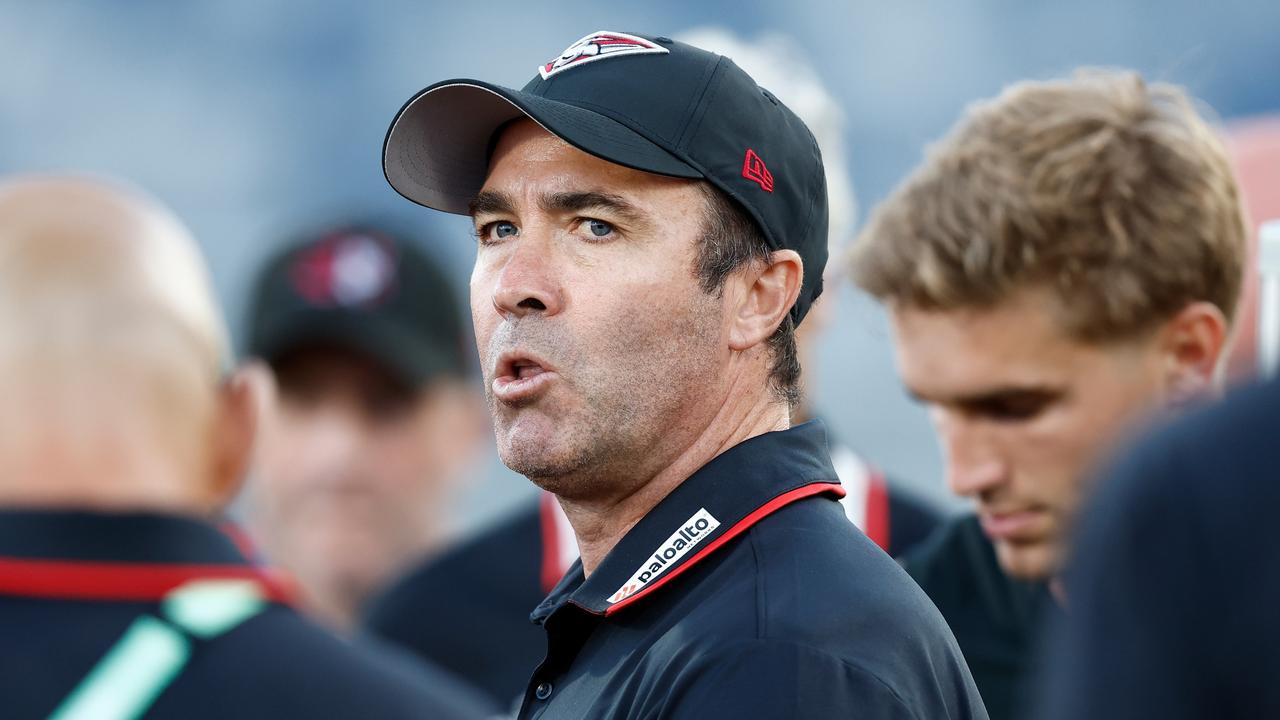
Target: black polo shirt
747 593
998 621
79 591
487 584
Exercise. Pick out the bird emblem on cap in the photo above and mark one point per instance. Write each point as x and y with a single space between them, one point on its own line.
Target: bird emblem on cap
598 46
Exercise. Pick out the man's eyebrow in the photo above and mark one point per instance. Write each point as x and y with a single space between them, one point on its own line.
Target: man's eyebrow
490 202
569 202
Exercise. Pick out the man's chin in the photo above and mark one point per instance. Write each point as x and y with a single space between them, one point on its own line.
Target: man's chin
533 447
1029 562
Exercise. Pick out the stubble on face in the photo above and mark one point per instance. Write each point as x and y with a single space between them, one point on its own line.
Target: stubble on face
627 381
634 341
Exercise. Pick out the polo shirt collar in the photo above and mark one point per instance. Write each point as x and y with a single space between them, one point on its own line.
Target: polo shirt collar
720 501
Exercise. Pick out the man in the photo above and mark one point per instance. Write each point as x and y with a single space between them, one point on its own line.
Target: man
376 426
651 227
1065 262
1202 492
119 444
1174 585
492 581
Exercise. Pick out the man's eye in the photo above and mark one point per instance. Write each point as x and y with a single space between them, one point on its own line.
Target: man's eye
1014 409
497 230
597 228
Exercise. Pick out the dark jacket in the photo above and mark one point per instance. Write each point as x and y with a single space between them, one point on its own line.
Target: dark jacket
1175 587
162 615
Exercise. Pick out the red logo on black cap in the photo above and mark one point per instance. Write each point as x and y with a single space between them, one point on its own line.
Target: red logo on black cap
598 46
753 169
345 269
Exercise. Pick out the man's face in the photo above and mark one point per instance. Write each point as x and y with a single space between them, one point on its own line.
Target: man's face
602 355
1023 411
354 467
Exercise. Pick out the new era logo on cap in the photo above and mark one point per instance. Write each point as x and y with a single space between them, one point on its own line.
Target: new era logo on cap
753 169
598 46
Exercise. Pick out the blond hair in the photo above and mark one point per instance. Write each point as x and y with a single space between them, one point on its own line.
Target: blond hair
1114 193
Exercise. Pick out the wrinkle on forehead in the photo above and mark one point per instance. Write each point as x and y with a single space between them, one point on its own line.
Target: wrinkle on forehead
580 173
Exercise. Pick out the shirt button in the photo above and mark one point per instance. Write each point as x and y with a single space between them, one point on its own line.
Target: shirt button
543 691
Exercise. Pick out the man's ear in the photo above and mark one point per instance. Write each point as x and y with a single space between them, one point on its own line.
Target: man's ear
1192 344
242 402
768 292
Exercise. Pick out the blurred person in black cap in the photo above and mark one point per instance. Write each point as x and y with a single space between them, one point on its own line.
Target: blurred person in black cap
1066 263
1174 584
651 228
375 425
492 581
121 441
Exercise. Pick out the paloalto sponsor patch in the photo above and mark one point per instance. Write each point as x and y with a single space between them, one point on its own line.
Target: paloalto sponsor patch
690 533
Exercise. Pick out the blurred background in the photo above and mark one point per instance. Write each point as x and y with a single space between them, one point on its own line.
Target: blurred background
255 119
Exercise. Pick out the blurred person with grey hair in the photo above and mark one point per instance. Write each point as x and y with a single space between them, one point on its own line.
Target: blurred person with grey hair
121 441
494 579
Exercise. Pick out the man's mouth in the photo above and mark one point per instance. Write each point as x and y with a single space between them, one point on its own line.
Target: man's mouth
520 377
527 369
1013 526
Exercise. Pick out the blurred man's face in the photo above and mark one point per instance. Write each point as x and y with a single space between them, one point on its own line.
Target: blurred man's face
355 470
603 356
1023 412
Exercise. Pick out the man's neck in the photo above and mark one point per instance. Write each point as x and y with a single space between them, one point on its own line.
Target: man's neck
599 526
105 481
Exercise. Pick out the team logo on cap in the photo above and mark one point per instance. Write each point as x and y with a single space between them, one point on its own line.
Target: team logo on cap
347 270
693 531
754 170
598 46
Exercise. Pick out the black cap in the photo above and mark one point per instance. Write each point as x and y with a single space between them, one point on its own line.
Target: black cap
362 289
648 103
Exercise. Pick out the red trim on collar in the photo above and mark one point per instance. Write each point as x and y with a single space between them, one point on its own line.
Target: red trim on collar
742 526
72 580
551 570
877 521
243 542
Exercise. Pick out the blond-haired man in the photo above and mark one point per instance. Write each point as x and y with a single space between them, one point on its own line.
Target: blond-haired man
1065 262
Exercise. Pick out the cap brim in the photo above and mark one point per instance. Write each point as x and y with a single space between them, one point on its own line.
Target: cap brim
397 348
437 149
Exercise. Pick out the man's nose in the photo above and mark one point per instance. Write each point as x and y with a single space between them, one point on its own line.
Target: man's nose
528 282
331 441
973 464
